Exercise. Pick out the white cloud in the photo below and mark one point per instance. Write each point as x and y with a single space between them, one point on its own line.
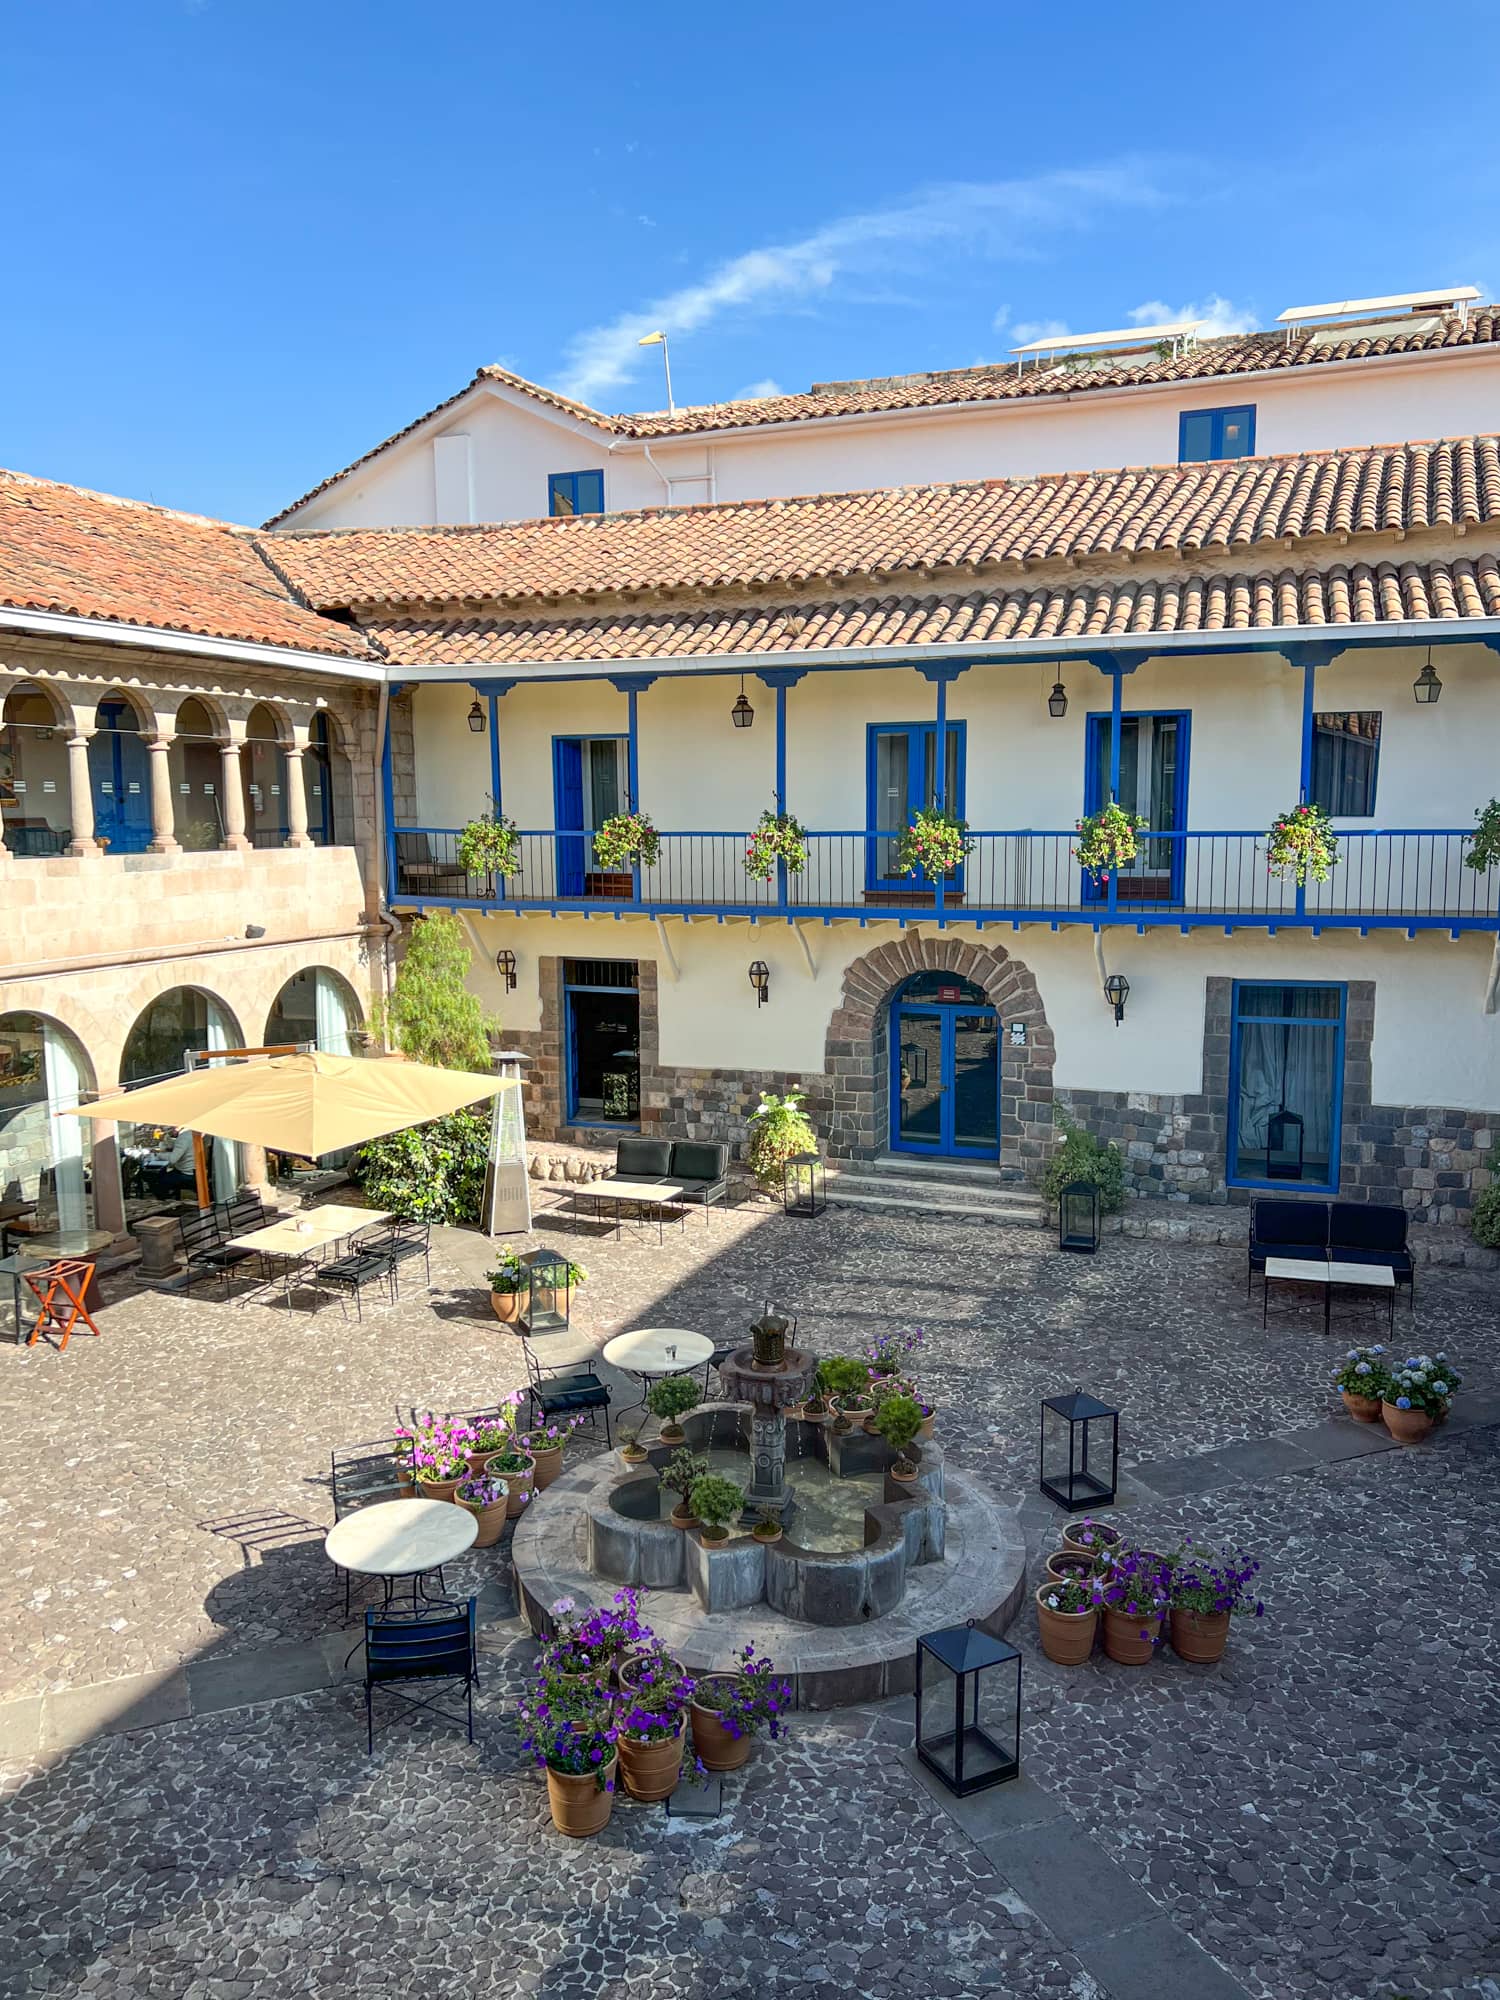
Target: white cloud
973 219
1026 330
1218 315
753 391
1002 319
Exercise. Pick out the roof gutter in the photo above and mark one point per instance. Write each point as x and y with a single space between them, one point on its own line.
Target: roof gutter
250 652
1099 645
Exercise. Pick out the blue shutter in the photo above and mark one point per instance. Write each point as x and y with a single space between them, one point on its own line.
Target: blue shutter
567 787
590 489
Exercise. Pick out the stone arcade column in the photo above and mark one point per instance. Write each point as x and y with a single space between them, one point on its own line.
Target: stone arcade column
163 813
80 796
297 834
232 781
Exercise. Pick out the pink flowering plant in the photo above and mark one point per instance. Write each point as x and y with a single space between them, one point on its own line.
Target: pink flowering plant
753 1697
1136 1584
1302 844
1205 1583
933 845
1107 841
439 1451
551 1437
571 1730
779 837
626 838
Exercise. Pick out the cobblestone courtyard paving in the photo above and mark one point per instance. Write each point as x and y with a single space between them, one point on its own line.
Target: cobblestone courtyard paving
190 1811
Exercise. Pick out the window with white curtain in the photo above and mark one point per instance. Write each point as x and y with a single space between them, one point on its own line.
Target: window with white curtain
1286 1084
1346 755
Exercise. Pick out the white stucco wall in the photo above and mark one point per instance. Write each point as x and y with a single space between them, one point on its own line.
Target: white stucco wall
516 445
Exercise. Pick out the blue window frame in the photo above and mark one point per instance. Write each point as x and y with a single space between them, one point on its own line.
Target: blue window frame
601 1046
575 493
1346 762
588 787
1153 786
1286 1085
1228 433
900 777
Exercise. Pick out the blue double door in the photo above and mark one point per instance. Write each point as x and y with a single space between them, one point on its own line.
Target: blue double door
945 1081
120 779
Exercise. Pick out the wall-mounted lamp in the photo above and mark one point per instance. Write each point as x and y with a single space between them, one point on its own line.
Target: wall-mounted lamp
760 979
1117 992
505 965
742 714
1427 687
255 930
1057 701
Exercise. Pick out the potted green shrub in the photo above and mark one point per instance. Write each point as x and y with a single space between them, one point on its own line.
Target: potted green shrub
934 844
716 1502
631 1449
779 837
846 1383
1363 1377
489 846
767 1526
670 1398
778 1128
1302 844
626 840
1082 1157
1484 1217
680 1475
1107 841
897 1420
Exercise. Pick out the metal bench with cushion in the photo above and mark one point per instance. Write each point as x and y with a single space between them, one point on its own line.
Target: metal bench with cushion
701 1167
565 1389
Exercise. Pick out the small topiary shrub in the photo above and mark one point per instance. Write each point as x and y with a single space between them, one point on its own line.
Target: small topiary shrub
778 1128
1485 1219
1081 1157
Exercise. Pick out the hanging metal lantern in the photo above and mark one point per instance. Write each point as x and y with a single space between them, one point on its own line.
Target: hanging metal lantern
742 714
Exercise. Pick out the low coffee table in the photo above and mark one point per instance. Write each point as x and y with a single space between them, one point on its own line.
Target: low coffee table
657 1196
1328 1274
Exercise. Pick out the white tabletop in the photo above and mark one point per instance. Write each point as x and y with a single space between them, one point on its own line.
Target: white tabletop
617 1190
400 1537
644 1352
1316 1271
312 1229
1362 1274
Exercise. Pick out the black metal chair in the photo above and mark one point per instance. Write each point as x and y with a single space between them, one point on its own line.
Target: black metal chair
206 1246
350 1274
399 1243
436 1644
363 1475
564 1389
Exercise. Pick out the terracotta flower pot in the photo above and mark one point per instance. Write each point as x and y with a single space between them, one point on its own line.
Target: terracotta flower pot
491 1520
507 1306
629 1670
1070 1562
1122 1636
441 1489
715 1537
580 1805
1067 1636
716 1748
682 1516
404 1479
928 1426
518 1482
1363 1409
1105 1539
1199 1636
478 1456
546 1465
671 1433
1406 1426
767 1535
634 1460
650 1768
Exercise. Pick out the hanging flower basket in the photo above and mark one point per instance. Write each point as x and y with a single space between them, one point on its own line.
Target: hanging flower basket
935 844
490 846
1107 841
779 837
1484 849
1302 844
625 840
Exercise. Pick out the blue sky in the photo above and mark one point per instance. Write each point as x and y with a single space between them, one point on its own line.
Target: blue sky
248 238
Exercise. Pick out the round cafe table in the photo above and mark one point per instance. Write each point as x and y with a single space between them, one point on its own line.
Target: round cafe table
400 1538
652 1352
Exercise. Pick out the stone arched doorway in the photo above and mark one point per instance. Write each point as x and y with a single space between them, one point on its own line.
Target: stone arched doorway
858 1059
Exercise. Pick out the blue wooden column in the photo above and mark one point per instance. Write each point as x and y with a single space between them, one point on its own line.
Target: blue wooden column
779 679
1117 666
490 692
631 686
1309 657
943 672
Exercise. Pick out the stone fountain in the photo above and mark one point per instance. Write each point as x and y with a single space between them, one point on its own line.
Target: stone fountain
771 1376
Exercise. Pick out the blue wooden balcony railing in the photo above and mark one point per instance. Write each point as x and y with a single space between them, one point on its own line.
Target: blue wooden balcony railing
1404 878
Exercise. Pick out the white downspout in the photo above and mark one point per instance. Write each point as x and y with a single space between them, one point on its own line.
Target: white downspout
646 448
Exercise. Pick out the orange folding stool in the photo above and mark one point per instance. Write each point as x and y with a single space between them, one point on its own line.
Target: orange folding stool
71 1276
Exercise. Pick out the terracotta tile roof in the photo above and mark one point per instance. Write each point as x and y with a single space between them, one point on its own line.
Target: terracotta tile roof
999 382
1150 511
1345 594
90 555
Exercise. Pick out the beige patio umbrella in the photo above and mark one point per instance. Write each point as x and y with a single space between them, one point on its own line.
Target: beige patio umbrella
308 1104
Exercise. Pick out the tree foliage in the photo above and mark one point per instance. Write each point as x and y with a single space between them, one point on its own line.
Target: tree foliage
1082 1157
432 1016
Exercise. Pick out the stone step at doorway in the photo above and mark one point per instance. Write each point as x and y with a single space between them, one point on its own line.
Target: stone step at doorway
905 1185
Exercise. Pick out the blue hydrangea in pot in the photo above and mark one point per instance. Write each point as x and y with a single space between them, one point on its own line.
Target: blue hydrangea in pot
1363 1377
1417 1396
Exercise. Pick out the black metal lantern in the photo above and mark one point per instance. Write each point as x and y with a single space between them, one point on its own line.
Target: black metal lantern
505 965
760 979
1284 1135
913 1065
1078 1217
804 1184
549 1291
1080 1459
1117 992
742 714
476 716
1427 687
1057 701
968 1688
